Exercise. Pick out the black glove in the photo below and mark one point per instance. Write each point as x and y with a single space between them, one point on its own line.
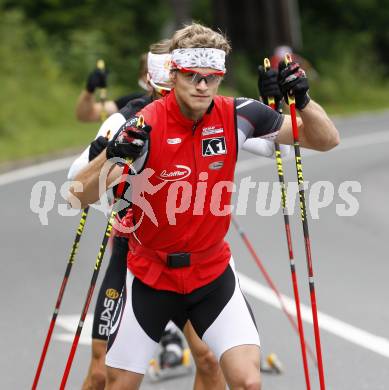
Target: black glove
268 85
293 81
97 146
128 142
96 79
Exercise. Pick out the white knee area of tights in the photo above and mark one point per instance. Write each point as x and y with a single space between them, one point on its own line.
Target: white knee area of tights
234 325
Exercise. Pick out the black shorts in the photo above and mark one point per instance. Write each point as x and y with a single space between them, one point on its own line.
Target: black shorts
111 287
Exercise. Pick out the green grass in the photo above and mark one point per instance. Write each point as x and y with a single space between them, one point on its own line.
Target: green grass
347 95
41 123
37 101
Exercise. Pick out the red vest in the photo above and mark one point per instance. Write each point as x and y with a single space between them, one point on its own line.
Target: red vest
194 162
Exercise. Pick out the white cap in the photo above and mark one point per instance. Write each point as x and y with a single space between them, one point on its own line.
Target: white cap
158 66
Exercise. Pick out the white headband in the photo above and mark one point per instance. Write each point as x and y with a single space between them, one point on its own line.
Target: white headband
158 66
196 57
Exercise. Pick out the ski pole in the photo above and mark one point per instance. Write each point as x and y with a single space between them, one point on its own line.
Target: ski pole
268 280
102 92
280 171
107 234
73 252
300 179
92 285
102 98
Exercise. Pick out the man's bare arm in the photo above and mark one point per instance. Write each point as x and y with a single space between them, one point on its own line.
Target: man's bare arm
88 110
316 130
95 178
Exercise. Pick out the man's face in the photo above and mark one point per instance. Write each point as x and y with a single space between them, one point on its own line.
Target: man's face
195 90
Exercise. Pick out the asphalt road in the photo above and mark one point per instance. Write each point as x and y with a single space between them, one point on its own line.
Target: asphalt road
350 264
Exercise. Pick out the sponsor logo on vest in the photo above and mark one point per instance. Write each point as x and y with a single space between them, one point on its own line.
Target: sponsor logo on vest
180 173
216 165
173 141
214 146
212 130
112 293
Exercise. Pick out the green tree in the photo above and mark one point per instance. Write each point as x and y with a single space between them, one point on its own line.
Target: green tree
82 31
359 26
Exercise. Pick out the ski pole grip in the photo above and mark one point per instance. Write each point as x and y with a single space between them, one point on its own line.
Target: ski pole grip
270 99
140 123
266 64
100 64
288 60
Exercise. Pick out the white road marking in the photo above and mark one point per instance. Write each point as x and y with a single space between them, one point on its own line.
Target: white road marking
337 327
36 170
328 323
70 323
345 144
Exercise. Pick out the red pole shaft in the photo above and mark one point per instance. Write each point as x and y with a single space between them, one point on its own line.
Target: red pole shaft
291 258
77 337
300 180
92 285
73 252
95 274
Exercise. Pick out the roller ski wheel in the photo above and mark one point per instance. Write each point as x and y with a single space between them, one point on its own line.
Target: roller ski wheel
183 367
272 365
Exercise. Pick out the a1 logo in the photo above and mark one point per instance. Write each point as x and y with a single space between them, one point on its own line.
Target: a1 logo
214 146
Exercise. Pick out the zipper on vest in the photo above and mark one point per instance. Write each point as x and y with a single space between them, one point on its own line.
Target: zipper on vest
194 150
195 124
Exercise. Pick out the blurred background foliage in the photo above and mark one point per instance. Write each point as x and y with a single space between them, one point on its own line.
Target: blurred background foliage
48 47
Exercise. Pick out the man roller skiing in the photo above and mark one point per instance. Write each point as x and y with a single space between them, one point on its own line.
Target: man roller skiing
171 342
180 264
208 373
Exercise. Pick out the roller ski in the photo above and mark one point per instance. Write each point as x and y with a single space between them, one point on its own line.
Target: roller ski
272 365
174 360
